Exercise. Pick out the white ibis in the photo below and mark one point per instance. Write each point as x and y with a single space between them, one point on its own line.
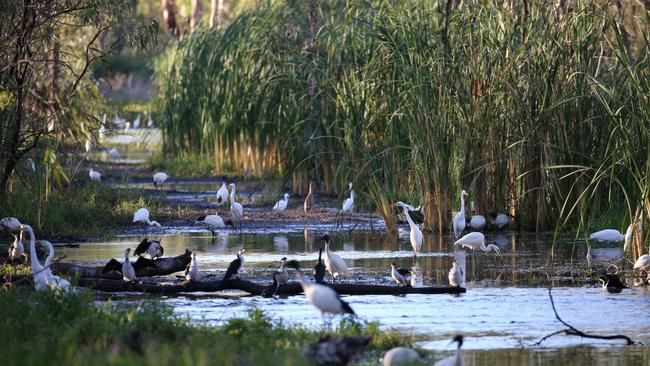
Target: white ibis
235 266
333 262
159 179
455 274
214 222
476 240
457 358
222 194
399 274
322 297
643 263
607 235
236 209
500 220
142 216
348 204
281 205
192 269
415 235
401 356
459 219
150 249
94 175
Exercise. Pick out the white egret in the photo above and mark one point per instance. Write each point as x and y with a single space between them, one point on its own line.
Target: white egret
222 194
415 235
41 279
607 235
476 222
94 175
457 358
159 179
236 209
192 269
401 356
455 275
476 240
150 249
142 216
399 274
322 297
500 220
17 248
283 275
281 205
213 222
55 282
149 120
589 257
235 266
348 204
333 262
459 219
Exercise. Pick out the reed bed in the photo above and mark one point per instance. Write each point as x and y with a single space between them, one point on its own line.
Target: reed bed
538 111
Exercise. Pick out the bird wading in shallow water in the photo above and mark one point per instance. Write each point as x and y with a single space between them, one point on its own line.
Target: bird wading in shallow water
159 179
236 209
415 235
348 204
281 205
142 216
475 241
214 222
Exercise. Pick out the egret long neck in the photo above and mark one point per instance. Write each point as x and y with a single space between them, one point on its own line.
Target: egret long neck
408 218
36 265
50 256
352 195
232 195
462 204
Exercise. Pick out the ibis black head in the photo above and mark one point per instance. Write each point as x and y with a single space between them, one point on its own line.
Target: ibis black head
283 259
293 264
459 340
229 223
325 238
200 219
393 264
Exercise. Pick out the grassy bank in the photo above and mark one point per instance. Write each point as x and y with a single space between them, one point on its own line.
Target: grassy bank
74 330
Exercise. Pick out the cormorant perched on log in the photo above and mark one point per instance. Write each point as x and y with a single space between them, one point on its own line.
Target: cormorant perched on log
271 290
283 275
319 269
150 249
127 269
235 266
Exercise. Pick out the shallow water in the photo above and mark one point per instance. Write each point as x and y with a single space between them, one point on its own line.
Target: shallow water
506 305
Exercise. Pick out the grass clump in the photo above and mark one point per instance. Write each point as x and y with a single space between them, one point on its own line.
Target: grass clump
75 330
191 165
86 210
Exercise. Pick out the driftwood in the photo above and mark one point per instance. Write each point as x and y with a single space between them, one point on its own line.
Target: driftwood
164 266
571 330
173 287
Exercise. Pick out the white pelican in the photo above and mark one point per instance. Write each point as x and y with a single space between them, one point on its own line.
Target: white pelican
55 282
607 235
10 224
459 218
401 356
235 266
222 194
348 204
416 234
455 275
142 215
322 297
399 274
457 358
500 220
213 222
236 209
41 279
159 179
335 265
17 249
281 205
192 269
476 240
282 274
150 249
94 175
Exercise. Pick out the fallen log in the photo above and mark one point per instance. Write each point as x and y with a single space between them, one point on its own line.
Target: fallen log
174 287
164 266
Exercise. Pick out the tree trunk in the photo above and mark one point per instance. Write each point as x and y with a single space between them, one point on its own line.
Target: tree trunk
195 18
169 16
216 8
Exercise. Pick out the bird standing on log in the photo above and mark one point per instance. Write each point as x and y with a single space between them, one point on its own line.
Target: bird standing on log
283 275
126 268
192 269
150 249
235 266
333 262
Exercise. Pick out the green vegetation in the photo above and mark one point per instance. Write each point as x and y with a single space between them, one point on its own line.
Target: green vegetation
191 165
85 210
537 110
76 330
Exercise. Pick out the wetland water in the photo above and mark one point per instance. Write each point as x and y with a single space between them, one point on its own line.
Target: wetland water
506 306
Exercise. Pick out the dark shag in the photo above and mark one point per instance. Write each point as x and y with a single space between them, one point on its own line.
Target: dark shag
319 269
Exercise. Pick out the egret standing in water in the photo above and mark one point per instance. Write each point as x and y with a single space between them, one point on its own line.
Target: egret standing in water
322 297
455 274
607 235
475 241
142 216
281 205
348 204
459 219
236 209
415 236
333 262
222 194
457 358
159 179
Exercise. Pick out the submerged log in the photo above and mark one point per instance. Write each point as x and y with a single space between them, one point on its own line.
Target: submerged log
173 287
164 266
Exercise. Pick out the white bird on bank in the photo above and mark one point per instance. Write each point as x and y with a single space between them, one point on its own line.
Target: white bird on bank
214 222
401 356
348 204
17 248
333 262
55 282
415 235
459 219
281 205
475 241
149 120
455 274
457 358
41 279
142 216
322 297
500 220
159 179
192 269
222 194
94 175
236 209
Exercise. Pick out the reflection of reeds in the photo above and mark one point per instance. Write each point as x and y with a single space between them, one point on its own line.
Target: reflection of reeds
543 117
